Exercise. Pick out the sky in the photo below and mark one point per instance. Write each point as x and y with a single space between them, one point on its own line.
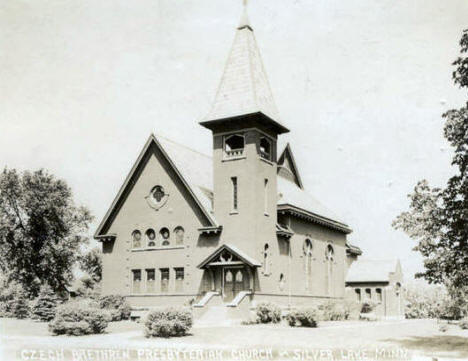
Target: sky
361 84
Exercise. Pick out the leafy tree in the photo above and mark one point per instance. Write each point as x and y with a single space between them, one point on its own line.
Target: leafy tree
41 230
91 263
438 218
46 303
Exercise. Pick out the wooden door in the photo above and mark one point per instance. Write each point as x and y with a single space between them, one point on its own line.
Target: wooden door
229 284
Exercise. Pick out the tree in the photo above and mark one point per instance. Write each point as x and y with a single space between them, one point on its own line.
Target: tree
438 218
41 230
91 263
46 303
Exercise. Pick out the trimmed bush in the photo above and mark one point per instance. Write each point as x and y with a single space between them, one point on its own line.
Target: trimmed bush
45 305
334 311
463 324
306 317
78 318
268 313
117 305
168 322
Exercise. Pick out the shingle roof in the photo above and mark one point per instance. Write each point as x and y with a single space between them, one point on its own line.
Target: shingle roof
244 87
370 270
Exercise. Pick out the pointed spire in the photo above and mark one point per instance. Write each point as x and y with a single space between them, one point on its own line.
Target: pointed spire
244 21
244 87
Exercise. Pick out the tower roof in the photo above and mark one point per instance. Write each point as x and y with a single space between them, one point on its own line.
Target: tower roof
244 88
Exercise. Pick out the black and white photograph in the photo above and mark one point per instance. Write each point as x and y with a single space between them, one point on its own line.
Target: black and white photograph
233 180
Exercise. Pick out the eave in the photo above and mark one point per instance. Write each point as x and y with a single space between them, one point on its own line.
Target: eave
312 217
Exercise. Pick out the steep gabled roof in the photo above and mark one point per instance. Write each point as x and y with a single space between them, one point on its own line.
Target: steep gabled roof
244 88
233 250
190 167
371 270
287 167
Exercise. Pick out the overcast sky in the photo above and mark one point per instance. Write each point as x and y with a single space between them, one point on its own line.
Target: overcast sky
361 84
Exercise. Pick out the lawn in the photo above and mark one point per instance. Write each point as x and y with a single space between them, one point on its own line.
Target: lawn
396 340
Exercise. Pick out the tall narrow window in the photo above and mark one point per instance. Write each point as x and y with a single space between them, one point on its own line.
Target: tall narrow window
368 294
164 233
265 196
358 294
136 239
179 235
150 280
179 279
266 261
234 193
136 281
308 263
150 238
330 257
281 282
164 280
378 291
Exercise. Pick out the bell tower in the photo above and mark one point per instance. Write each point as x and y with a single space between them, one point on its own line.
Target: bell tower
245 126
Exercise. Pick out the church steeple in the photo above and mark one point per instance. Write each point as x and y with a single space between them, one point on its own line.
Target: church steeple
244 94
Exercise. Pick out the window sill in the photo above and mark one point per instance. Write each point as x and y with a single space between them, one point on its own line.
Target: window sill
234 212
157 248
229 159
266 160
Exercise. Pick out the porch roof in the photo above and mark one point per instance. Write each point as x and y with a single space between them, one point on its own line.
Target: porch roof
235 251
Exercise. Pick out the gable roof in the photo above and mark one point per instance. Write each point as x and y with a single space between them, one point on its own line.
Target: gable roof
195 170
371 270
189 168
287 162
244 87
235 251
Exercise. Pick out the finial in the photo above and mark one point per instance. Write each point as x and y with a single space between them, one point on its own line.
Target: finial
244 22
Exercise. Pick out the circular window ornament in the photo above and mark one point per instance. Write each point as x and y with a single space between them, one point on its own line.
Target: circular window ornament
157 197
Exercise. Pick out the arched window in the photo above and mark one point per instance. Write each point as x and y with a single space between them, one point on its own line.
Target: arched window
397 288
136 239
165 234
266 261
368 294
150 238
179 235
330 257
378 291
281 282
307 248
358 294
265 148
234 145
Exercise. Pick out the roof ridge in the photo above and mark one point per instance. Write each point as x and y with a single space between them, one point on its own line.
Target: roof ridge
157 136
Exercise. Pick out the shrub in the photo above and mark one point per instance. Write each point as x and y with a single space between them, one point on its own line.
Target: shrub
45 305
168 322
302 318
463 324
79 318
117 305
368 307
268 313
334 310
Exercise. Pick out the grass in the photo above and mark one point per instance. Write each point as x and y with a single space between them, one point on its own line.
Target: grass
416 336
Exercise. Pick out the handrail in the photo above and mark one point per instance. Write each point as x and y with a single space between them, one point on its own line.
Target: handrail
206 298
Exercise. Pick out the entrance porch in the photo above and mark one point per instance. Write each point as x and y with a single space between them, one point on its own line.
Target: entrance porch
231 273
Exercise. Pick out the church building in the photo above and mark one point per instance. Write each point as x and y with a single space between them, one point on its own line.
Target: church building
233 228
